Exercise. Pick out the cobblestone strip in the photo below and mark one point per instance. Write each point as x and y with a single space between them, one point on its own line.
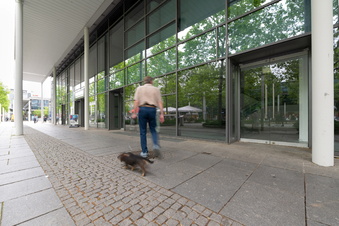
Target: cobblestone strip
97 191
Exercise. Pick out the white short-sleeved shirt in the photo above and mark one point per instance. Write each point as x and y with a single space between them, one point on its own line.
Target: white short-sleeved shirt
148 94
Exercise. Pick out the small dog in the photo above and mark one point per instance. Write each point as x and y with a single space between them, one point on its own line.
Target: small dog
133 160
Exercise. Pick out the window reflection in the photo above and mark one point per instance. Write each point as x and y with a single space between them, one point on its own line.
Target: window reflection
101 116
239 7
198 16
198 50
116 80
201 94
162 63
279 21
135 73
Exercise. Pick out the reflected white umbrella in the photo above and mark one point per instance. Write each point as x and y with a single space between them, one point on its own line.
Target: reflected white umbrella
169 109
189 108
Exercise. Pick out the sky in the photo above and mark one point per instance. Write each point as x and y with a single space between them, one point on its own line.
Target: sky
7 16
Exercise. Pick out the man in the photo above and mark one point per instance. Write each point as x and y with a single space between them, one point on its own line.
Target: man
147 99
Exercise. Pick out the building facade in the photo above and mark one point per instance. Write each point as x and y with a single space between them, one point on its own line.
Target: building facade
235 70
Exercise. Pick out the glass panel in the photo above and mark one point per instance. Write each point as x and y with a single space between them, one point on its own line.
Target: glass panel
77 74
239 7
92 90
92 65
336 91
167 85
161 40
101 116
271 24
221 41
116 46
116 80
134 15
335 12
130 124
92 111
198 50
162 63
101 55
201 106
135 73
274 102
135 34
71 77
152 4
82 77
160 17
135 54
101 85
198 16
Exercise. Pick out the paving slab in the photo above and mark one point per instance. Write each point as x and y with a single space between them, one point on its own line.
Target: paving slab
38 204
322 199
22 188
8 178
5 168
59 217
282 179
224 179
256 204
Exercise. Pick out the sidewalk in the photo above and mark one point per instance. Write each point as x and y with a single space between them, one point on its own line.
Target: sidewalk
56 175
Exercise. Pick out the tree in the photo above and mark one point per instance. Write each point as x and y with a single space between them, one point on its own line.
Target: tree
4 101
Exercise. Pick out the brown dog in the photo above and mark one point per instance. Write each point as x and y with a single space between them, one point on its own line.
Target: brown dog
133 160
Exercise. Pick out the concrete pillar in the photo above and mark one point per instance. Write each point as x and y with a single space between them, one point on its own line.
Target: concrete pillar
322 83
18 118
54 97
86 57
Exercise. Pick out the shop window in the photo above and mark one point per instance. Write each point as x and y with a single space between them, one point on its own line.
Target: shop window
198 50
116 80
161 40
198 16
161 16
162 63
116 49
135 73
276 22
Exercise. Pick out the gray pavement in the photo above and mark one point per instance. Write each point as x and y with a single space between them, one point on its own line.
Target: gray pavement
56 175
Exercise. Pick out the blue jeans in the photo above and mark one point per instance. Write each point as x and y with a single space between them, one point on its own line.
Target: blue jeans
148 115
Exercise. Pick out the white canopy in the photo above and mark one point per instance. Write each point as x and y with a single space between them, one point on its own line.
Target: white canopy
189 108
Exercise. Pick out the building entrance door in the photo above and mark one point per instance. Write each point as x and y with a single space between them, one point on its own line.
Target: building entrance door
274 100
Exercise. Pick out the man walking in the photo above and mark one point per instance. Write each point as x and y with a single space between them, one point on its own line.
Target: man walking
147 99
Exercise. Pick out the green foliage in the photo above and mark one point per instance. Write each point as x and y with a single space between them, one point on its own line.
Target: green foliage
38 112
4 101
273 23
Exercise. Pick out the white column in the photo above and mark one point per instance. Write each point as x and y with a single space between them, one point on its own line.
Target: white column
86 54
54 97
18 121
322 83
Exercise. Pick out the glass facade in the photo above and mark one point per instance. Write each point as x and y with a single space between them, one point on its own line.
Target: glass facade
189 47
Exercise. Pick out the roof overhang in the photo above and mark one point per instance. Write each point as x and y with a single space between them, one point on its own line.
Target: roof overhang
52 28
